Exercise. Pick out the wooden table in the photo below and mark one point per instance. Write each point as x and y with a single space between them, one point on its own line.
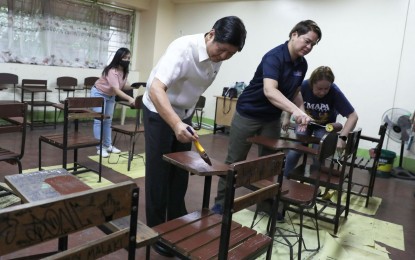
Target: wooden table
194 164
67 89
285 144
40 185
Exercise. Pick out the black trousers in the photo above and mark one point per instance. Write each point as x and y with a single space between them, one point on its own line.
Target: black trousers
165 184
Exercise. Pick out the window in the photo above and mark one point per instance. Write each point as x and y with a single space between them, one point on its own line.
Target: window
62 32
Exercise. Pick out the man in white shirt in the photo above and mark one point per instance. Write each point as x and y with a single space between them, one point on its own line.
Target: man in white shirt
187 68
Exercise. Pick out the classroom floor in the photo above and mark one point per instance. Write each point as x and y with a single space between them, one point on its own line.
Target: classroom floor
398 196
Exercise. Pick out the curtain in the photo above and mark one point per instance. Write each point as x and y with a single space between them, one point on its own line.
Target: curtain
62 32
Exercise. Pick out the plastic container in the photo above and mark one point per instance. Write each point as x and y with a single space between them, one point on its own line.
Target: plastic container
386 160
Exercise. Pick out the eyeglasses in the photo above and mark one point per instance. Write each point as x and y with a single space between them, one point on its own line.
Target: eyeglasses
307 41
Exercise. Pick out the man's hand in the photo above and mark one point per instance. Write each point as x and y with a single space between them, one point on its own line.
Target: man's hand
182 134
302 120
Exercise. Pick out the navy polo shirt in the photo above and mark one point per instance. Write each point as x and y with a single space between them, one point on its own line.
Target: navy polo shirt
276 64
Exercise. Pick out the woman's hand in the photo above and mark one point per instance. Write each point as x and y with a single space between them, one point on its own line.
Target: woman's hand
131 101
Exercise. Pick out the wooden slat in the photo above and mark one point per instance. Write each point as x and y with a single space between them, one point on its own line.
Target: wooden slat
255 170
202 238
97 248
75 140
83 115
252 198
211 250
250 249
192 228
179 222
145 235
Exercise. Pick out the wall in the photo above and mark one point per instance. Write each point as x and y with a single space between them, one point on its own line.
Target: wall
362 41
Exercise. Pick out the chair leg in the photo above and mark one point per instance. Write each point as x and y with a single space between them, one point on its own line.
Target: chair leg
40 155
300 236
19 165
131 151
317 230
254 218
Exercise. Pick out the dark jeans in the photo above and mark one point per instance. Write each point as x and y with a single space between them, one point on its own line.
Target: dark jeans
165 184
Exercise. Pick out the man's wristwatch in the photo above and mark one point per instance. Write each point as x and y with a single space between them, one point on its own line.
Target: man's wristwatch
343 137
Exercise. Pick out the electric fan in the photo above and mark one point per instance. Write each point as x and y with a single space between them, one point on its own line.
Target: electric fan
399 130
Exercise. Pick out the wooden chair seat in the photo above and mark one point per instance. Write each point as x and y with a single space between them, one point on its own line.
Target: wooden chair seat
39 103
203 229
75 140
298 192
327 178
71 138
6 155
129 129
205 235
13 122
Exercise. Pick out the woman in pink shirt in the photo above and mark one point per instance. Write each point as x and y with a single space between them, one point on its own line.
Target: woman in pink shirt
111 83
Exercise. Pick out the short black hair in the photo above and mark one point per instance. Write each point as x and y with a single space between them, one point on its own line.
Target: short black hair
306 26
231 30
121 53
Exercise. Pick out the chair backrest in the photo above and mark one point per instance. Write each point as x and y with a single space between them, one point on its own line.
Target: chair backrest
33 223
35 83
137 85
348 155
8 78
66 82
378 149
90 81
201 102
76 108
138 104
13 117
327 146
243 174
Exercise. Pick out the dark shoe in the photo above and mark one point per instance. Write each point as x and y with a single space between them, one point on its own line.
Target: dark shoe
217 208
161 250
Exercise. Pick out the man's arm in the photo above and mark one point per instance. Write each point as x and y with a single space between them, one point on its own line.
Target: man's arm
279 100
163 106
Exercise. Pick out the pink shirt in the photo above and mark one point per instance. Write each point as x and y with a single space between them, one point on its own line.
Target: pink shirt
114 79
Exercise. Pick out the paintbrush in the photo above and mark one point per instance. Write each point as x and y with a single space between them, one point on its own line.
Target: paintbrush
200 149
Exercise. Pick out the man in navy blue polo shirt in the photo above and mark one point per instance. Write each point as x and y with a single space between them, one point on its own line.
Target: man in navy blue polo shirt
273 89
